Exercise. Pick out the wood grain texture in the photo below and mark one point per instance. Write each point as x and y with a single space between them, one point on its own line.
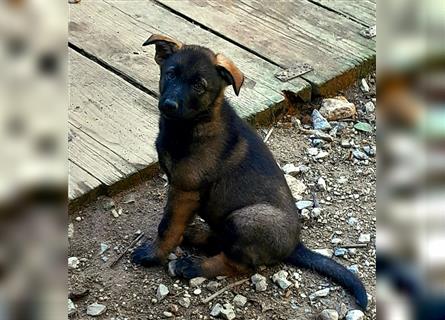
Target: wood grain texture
113 31
288 32
112 125
362 11
80 182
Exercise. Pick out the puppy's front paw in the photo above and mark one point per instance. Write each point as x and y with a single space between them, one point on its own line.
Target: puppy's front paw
187 268
145 255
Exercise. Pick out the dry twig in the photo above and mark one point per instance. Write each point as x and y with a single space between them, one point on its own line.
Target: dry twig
230 286
139 237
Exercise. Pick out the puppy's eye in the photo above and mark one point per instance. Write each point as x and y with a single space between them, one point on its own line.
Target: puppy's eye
170 74
200 86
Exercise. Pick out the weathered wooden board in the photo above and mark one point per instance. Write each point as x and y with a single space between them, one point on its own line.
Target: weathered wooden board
102 163
80 182
113 31
289 32
362 11
113 125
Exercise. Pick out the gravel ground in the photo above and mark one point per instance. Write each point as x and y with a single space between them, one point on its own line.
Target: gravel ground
347 206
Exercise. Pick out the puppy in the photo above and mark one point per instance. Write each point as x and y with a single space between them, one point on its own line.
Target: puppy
218 168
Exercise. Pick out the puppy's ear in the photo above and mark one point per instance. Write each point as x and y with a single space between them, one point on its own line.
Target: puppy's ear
165 46
229 72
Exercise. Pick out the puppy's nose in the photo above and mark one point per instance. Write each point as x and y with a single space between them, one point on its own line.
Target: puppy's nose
169 106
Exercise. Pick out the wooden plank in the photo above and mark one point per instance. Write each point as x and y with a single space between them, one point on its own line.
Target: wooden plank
362 11
102 163
289 32
80 182
113 112
112 124
113 31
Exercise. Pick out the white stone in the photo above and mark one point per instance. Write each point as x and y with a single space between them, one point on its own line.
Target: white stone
364 86
313 151
185 302
321 155
171 268
369 106
337 108
172 256
195 282
162 292
325 252
303 204
364 238
352 221
70 231
261 286
319 294
167 314
103 247
213 285
297 187
197 292
71 307
336 241
316 212
227 312
290 169
216 310
73 262
257 278
355 315
329 314
96 309
321 183
239 300
280 278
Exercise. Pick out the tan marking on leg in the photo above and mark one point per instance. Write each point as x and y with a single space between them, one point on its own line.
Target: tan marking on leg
182 207
221 265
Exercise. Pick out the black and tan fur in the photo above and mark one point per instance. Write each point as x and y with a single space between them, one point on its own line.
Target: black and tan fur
218 168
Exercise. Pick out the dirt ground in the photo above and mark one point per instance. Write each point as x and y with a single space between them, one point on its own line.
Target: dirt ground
129 292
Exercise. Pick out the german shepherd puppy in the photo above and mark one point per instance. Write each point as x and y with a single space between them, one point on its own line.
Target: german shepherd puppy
219 169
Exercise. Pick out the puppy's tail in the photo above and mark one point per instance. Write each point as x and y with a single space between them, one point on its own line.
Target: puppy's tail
304 258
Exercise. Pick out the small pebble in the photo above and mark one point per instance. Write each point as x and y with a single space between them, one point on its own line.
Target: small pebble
364 238
73 262
302 204
216 310
319 294
213 286
195 282
162 292
71 307
167 314
185 302
364 86
353 268
369 106
329 314
197 292
96 309
321 183
324 252
355 315
340 252
316 212
239 300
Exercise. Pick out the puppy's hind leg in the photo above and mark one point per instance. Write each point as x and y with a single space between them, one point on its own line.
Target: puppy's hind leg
219 265
200 235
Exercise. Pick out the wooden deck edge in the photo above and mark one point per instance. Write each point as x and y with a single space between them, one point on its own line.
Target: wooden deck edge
134 179
344 80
